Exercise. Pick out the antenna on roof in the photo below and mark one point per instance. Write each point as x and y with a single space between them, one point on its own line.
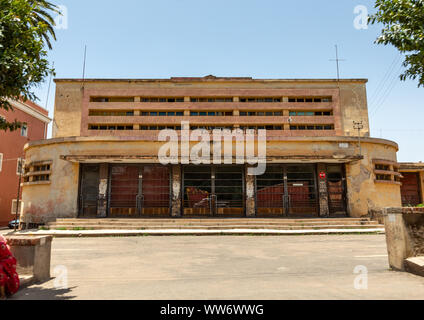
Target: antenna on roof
337 62
48 89
83 67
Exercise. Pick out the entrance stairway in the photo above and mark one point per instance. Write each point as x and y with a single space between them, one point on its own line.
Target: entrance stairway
214 224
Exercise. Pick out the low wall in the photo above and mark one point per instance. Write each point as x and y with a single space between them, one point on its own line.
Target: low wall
33 255
404 234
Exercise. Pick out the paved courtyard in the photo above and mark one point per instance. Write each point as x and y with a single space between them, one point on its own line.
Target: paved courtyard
225 267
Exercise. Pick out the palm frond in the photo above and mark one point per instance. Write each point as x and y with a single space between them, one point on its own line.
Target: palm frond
42 14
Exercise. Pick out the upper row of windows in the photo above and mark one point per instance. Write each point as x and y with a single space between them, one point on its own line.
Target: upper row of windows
156 127
208 99
207 113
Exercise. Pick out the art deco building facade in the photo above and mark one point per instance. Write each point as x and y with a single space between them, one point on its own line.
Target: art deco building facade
103 158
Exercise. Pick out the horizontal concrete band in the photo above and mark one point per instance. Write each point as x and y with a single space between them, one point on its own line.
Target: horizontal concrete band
403 210
112 158
334 139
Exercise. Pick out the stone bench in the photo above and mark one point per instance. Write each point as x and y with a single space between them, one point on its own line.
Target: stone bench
404 237
33 256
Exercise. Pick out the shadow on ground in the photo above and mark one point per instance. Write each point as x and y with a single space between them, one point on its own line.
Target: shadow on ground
37 292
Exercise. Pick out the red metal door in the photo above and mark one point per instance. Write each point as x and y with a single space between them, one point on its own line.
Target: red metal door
410 189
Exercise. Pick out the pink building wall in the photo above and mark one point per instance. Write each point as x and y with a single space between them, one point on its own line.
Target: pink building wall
11 147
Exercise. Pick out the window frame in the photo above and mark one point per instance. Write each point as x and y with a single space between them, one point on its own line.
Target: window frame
24 127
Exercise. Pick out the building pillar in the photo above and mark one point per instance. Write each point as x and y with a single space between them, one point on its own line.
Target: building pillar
176 191
250 195
322 190
103 183
421 176
286 113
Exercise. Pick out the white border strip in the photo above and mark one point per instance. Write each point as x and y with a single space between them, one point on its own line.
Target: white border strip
30 110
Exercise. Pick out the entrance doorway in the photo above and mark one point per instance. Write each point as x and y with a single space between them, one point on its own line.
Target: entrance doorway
410 189
287 190
139 190
336 186
88 190
213 190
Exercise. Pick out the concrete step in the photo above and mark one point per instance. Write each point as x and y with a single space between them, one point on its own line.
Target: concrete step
194 232
212 219
213 224
205 227
217 226
156 222
415 265
217 223
208 222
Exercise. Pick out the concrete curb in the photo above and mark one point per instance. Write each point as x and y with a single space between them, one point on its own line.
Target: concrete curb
26 281
415 265
193 232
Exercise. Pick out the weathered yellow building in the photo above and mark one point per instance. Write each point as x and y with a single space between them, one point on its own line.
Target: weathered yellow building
103 158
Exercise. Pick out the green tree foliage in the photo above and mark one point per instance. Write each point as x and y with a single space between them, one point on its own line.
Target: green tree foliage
26 27
403 22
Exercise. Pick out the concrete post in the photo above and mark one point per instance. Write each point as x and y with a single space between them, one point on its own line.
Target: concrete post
250 195
323 191
102 198
32 254
397 238
176 191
